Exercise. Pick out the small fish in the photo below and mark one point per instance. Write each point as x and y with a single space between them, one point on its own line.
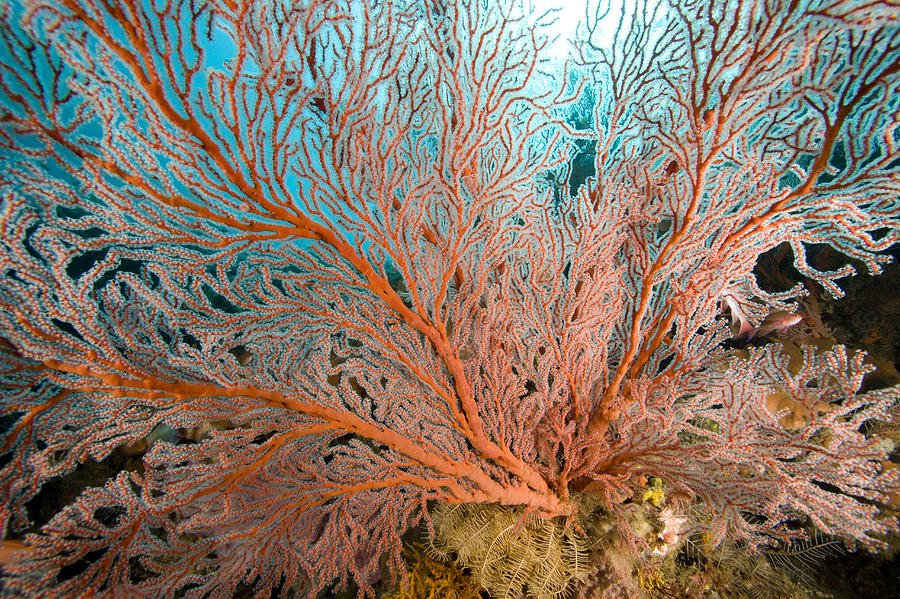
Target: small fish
743 330
9 549
779 320
466 353
740 323
161 432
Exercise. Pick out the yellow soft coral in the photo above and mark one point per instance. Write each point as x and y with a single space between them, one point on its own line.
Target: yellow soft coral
429 578
654 493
